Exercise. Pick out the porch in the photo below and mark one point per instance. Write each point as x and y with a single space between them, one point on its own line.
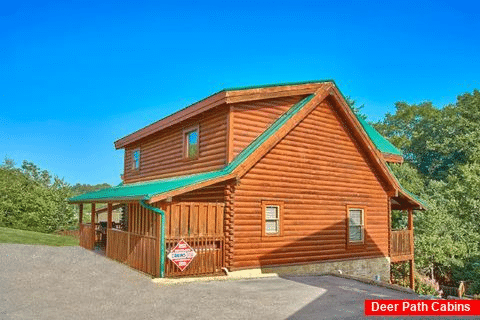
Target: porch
138 243
401 242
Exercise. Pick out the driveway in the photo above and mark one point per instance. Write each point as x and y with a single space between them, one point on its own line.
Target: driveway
40 282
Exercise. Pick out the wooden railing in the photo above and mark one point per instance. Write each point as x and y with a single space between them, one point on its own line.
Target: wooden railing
209 258
137 251
401 245
117 245
86 236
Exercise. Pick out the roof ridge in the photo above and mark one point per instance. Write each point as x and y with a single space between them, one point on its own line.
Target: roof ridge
279 84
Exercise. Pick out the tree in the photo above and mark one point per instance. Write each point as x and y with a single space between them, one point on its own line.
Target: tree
30 199
442 152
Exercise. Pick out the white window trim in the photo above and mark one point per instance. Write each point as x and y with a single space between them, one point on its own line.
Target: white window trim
362 225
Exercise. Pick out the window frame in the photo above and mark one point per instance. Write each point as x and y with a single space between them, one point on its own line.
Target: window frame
135 168
364 214
281 209
186 144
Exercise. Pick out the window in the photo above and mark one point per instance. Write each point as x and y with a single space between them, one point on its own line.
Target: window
190 143
272 219
272 223
356 225
136 159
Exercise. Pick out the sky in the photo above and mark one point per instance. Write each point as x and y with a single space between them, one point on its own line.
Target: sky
77 75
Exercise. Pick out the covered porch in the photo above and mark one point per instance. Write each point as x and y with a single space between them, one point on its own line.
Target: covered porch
401 242
157 216
142 245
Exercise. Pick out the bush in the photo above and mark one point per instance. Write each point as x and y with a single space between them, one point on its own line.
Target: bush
426 286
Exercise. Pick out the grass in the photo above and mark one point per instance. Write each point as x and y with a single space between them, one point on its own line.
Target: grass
8 235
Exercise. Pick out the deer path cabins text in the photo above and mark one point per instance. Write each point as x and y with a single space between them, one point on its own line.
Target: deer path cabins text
280 177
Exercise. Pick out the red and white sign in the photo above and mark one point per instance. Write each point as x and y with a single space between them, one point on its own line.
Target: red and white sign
182 254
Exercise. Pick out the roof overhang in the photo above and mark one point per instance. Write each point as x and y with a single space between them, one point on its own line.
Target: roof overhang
226 96
317 92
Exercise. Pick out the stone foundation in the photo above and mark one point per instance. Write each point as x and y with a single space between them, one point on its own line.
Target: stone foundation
368 269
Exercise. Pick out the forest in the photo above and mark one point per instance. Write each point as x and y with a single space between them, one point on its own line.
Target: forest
441 147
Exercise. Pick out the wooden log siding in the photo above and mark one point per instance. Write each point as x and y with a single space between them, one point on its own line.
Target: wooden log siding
213 193
316 170
161 154
250 119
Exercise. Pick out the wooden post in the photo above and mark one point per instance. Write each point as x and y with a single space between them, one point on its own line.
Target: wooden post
412 262
109 216
412 275
80 213
157 242
109 227
93 225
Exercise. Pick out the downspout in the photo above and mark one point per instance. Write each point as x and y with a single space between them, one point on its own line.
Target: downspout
162 239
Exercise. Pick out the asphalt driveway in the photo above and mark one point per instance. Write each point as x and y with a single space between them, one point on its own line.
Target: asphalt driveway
40 282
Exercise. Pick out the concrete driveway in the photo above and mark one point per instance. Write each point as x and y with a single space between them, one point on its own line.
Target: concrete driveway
40 282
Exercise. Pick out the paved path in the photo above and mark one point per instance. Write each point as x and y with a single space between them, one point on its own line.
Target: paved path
40 282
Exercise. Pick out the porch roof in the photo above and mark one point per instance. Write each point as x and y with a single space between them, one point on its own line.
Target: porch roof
145 190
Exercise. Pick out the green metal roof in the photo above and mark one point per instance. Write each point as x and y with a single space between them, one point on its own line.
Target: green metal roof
382 144
280 84
146 190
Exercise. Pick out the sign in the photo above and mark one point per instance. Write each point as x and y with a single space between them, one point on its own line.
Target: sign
182 254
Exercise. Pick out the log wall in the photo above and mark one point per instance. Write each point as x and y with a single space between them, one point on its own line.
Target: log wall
162 153
252 118
317 170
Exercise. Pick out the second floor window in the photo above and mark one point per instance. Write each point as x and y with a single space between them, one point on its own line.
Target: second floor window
136 159
191 143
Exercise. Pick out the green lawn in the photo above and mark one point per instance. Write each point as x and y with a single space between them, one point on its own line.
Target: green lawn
8 235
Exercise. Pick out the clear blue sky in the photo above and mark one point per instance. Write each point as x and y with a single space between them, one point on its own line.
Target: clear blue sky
76 76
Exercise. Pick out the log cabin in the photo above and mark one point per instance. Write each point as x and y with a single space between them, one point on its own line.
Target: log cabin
278 178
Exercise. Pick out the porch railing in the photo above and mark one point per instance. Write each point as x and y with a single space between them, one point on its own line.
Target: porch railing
209 259
401 245
135 250
86 236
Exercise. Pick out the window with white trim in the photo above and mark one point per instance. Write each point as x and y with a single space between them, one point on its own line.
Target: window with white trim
272 220
356 225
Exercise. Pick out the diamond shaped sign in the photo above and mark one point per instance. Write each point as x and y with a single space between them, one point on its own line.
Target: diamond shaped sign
182 254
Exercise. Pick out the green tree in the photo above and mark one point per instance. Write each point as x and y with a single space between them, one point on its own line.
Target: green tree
31 199
442 151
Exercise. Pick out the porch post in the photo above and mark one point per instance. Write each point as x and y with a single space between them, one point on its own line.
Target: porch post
80 213
412 262
109 216
109 227
93 225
